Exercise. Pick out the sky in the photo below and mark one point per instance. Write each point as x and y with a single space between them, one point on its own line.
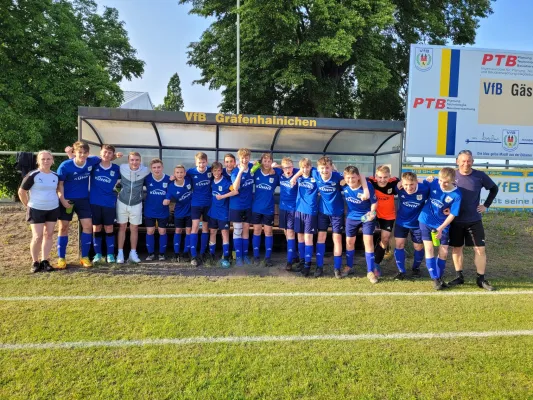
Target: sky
161 31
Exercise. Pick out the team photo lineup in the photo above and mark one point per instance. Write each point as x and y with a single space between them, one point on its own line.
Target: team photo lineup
436 212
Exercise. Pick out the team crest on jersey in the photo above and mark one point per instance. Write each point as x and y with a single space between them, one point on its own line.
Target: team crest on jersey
189 187
389 191
359 195
90 169
112 173
220 188
209 175
165 185
313 180
418 197
448 199
333 183
271 180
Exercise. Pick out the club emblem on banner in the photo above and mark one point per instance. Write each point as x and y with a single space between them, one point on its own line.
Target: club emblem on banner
510 139
423 59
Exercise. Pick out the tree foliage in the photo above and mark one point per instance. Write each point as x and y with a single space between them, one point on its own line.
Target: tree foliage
325 58
173 101
56 55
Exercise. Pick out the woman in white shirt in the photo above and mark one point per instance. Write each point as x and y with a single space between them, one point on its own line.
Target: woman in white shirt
38 192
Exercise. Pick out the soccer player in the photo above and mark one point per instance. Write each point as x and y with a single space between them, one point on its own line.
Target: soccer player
467 227
73 188
240 206
180 191
359 210
129 205
266 180
287 207
305 217
103 199
39 193
222 190
154 210
201 200
384 186
412 196
437 214
229 162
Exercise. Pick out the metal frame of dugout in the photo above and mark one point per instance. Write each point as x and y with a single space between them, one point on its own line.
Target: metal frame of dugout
175 137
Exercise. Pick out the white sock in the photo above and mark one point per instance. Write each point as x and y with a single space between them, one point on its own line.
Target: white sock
120 252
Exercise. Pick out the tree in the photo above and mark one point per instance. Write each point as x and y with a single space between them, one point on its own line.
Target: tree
325 58
173 100
57 55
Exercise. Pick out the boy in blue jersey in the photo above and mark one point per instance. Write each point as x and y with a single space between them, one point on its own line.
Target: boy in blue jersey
201 200
240 206
154 210
305 217
265 181
361 212
222 190
74 175
437 214
287 208
230 163
412 196
180 191
103 200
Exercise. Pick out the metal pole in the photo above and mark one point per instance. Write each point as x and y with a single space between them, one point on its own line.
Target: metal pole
238 56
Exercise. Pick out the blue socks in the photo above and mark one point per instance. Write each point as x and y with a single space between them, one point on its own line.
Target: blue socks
431 264
86 242
237 245
204 241
212 248
369 262
150 243
97 242
308 254
269 242
320 250
110 243
193 242
225 250
245 245
290 249
349 258
337 262
177 242
399 255
163 239
256 244
62 242
441 265
418 257
301 250
187 246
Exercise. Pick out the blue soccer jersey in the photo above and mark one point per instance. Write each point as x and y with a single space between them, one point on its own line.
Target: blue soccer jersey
103 181
182 195
201 183
220 208
243 201
227 174
156 192
439 202
265 185
287 193
410 206
307 198
356 206
76 178
330 202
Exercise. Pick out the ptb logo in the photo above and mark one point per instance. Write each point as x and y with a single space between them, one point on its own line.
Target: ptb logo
430 102
499 59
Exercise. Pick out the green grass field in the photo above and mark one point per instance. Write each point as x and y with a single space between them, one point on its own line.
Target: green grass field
319 341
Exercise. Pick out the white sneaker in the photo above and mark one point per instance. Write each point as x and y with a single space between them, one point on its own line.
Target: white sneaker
134 258
120 258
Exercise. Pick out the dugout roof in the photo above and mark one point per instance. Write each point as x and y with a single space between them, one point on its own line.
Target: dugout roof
176 136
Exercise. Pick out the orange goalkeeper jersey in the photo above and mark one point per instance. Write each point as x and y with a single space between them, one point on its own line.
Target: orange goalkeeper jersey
386 208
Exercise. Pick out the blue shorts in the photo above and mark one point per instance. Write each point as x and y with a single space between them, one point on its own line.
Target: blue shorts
262 219
401 232
183 222
305 223
218 224
200 211
352 227
426 234
82 208
336 222
103 215
240 215
286 219
150 222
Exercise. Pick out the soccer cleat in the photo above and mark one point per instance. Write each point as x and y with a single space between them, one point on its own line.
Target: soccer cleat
36 267
224 263
338 274
134 258
319 272
415 273
288 266
305 271
111 259
246 260
45 266
437 284
186 258
377 270
161 257
256 261
97 258
268 263
151 257
239 262
120 258
345 272
195 262
400 276
177 258
372 278
61 263
457 281
484 284
85 262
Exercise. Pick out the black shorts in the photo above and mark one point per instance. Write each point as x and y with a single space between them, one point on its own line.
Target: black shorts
467 234
34 216
103 215
385 224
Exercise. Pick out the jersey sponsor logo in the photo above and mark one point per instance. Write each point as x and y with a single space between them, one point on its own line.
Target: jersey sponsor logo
437 203
418 197
81 177
184 196
411 204
158 192
203 183
286 184
263 186
328 189
448 199
354 200
307 185
103 179
247 182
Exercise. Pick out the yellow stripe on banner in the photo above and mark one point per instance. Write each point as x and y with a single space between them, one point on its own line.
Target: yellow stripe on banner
441 132
445 72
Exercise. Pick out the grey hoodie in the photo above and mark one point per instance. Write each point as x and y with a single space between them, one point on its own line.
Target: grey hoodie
132 184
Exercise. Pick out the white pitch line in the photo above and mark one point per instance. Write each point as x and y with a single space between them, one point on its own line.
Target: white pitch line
259 339
287 294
